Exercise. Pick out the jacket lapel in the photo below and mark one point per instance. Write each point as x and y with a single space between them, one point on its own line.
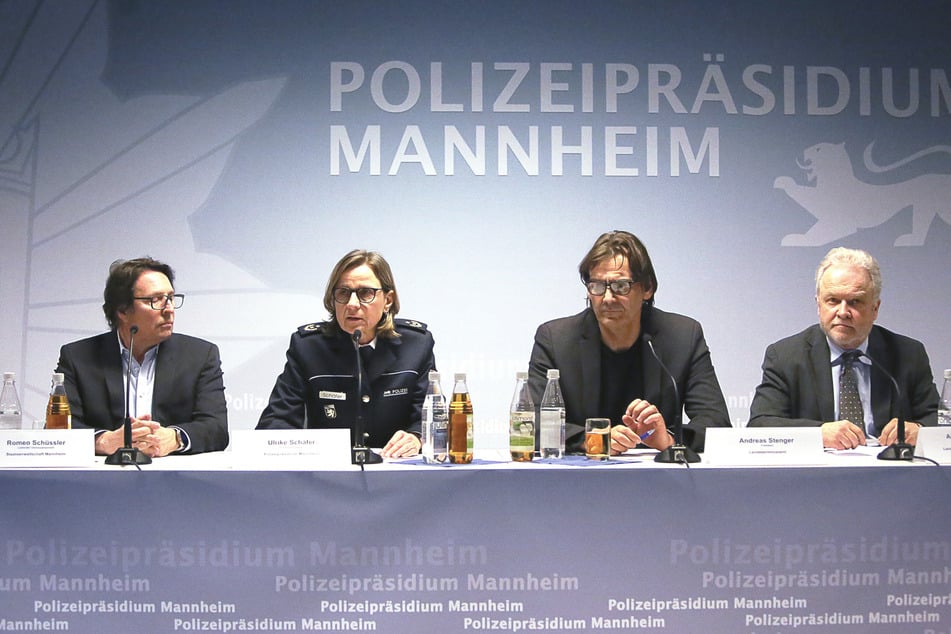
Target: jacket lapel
165 367
381 358
881 387
821 373
652 373
110 360
590 351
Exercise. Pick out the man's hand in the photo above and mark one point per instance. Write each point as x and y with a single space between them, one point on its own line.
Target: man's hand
890 433
643 424
842 434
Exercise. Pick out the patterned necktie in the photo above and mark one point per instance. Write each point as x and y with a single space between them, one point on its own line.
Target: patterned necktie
850 404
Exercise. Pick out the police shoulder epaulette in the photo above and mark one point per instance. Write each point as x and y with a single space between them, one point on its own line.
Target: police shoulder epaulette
309 329
411 324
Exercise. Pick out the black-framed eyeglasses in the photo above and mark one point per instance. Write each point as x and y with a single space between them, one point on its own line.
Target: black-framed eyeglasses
365 294
160 302
618 287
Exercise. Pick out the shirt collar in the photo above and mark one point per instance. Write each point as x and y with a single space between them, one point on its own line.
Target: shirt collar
150 354
835 352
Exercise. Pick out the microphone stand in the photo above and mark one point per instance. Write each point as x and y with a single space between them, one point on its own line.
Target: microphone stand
899 450
678 452
127 454
361 454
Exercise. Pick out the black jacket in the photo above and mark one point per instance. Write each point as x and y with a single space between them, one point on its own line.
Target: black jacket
573 346
317 388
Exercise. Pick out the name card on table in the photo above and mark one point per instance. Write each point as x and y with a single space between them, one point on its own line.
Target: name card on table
764 446
290 448
934 443
47 448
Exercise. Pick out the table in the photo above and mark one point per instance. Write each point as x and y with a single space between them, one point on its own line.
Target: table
408 547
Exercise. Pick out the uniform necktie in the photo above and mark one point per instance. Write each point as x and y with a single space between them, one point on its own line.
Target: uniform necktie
366 355
850 403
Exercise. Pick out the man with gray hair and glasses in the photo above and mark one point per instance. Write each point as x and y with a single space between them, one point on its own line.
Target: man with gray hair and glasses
824 376
177 394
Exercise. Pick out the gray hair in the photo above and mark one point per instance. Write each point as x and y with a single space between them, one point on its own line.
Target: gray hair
852 257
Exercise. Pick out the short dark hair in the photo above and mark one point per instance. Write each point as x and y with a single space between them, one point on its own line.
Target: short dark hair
120 285
381 268
621 243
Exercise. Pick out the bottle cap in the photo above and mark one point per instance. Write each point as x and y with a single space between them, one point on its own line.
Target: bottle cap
947 374
433 375
459 376
9 376
59 376
521 376
554 374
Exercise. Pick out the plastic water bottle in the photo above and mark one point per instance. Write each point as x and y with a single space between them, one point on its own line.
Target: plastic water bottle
435 436
522 421
10 414
552 417
944 405
460 422
58 414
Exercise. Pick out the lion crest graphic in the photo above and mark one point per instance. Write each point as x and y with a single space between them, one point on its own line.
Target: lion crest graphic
843 204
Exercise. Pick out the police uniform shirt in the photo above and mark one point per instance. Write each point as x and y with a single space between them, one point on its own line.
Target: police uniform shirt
318 387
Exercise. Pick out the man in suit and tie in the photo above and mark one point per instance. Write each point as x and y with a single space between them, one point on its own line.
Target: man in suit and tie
607 368
177 400
824 376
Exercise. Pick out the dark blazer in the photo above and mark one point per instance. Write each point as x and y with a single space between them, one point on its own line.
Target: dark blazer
796 390
573 346
189 391
317 388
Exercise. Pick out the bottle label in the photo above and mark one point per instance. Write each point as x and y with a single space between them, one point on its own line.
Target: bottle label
552 429
522 431
469 435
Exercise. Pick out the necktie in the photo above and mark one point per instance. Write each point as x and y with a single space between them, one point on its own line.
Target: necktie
366 356
850 404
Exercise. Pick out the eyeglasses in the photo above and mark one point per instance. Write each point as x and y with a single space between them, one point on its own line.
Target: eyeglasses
618 287
365 294
160 302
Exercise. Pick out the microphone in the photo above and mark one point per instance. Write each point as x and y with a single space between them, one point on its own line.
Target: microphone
677 452
360 454
127 454
899 450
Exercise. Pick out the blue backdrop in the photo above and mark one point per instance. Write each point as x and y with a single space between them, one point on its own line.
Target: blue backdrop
481 147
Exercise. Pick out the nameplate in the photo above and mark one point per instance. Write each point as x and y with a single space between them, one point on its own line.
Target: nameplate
934 443
47 448
764 446
268 449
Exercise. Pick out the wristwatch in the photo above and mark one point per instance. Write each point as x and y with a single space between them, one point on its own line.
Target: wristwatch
178 439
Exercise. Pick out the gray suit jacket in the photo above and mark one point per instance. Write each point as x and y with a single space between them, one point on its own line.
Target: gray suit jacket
189 391
796 390
573 346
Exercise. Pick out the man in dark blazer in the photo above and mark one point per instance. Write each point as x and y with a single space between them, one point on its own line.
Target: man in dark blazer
606 366
799 384
177 402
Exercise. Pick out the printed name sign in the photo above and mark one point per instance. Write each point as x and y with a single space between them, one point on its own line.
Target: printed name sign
290 448
764 446
934 443
47 448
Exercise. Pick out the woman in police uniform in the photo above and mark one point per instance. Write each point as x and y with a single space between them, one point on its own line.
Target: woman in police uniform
318 386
